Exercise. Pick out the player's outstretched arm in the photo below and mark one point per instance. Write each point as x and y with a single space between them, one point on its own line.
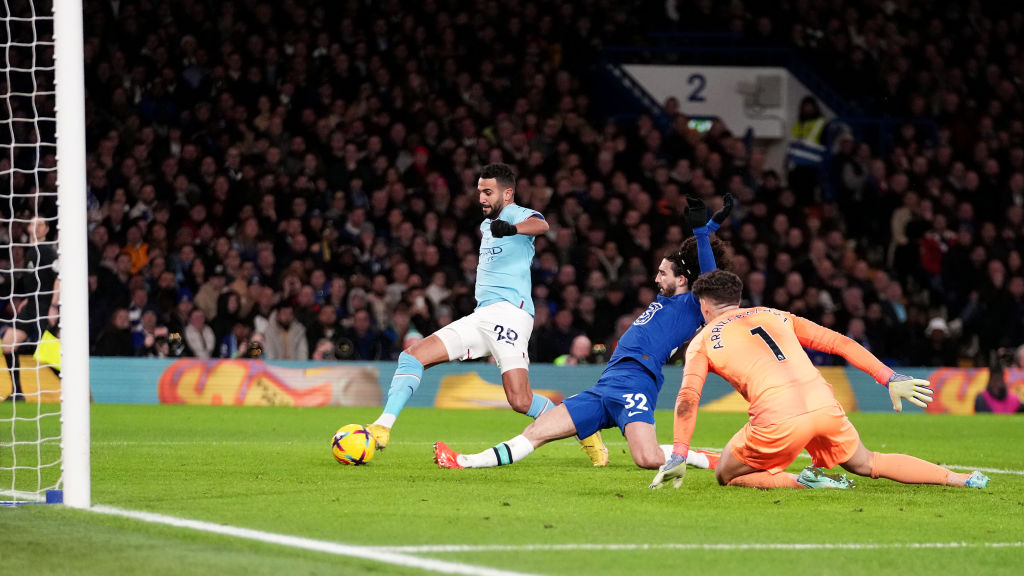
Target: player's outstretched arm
818 337
685 417
914 390
901 387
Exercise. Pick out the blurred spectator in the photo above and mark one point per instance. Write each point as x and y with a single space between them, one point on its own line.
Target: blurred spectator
556 339
136 249
362 341
285 337
937 349
229 306
199 336
142 338
116 338
138 305
579 353
996 397
157 344
235 344
325 327
807 151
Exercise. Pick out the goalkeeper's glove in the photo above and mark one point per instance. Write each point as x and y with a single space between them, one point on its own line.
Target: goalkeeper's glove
696 213
500 229
723 213
674 469
914 390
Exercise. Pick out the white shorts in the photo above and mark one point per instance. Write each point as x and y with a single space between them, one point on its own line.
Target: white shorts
500 330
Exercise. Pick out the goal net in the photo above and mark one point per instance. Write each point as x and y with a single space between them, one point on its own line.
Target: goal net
42 224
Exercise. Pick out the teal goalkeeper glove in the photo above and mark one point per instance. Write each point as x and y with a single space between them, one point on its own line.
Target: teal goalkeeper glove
914 390
674 469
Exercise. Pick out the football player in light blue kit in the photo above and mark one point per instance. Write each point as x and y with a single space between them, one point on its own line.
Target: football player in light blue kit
627 391
502 322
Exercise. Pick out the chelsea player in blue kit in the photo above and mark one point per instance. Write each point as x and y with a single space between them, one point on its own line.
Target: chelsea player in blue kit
502 322
627 391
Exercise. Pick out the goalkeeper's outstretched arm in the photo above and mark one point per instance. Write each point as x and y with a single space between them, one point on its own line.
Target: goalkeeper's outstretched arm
901 387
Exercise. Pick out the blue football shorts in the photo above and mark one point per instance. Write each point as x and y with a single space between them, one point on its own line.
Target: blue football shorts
626 392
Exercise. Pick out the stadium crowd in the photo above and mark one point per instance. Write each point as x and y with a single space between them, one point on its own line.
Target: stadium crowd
299 178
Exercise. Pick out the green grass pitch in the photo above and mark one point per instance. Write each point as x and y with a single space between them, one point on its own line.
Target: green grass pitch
271 469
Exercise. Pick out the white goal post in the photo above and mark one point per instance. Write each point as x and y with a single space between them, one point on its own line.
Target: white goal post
71 217
44 446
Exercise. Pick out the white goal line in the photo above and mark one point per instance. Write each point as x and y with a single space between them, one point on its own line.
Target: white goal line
365 552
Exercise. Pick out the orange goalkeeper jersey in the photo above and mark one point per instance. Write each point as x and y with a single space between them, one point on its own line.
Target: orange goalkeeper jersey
760 352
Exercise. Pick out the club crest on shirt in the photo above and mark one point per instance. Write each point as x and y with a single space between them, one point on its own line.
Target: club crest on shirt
648 314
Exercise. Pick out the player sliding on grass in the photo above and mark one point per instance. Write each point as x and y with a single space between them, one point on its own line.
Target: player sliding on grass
503 320
627 391
760 351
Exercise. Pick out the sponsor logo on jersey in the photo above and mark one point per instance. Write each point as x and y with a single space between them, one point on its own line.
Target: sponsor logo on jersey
648 314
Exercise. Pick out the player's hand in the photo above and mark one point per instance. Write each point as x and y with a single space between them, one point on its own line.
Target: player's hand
723 213
696 213
913 390
500 229
674 469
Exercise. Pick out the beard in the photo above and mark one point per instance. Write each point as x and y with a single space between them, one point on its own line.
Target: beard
668 291
495 211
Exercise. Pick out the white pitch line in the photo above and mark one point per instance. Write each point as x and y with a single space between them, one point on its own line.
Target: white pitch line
989 470
459 548
365 552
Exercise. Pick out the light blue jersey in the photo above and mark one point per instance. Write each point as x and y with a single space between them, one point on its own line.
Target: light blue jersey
503 271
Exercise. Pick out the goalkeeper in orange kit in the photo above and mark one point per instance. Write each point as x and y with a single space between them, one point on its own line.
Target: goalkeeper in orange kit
760 351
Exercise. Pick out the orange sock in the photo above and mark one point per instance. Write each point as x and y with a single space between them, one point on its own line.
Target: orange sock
766 480
909 470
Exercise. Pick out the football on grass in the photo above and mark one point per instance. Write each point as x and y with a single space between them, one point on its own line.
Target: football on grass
353 445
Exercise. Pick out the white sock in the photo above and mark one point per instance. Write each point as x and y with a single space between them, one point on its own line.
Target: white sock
695 459
667 449
503 454
386 420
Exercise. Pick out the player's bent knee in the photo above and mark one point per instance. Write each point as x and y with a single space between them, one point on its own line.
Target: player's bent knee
859 466
649 459
861 463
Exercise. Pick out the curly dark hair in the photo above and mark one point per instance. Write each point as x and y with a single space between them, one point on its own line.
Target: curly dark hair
685 259
502 173
719 286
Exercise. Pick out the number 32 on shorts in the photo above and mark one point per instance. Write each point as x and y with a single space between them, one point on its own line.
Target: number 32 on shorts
637 401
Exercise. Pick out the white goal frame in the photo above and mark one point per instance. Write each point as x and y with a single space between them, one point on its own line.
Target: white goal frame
73 241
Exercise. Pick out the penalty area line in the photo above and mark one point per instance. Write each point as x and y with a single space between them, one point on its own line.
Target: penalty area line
375 554
766 546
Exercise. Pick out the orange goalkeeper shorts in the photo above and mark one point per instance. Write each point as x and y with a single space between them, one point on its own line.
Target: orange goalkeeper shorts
826 433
